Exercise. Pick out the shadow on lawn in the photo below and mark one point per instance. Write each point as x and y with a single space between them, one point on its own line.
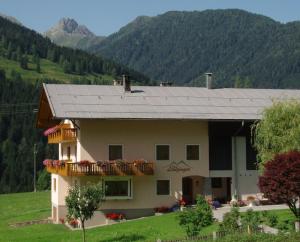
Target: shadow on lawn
125 238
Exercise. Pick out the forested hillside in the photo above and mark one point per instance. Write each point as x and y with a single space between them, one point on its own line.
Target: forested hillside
26 60
238 47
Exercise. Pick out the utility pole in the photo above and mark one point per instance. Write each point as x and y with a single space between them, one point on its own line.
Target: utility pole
34 167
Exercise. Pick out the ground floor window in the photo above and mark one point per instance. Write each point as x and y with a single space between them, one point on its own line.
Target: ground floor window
118 189
163 187
216 182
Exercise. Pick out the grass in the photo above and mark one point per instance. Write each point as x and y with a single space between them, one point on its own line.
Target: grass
31 206
49 70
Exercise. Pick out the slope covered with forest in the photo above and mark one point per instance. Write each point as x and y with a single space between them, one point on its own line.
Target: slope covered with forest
237 46
27 59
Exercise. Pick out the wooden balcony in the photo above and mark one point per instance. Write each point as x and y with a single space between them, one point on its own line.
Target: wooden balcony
103 169
62 134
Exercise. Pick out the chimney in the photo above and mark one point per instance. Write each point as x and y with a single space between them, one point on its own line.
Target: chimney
166 84
117 82
126 83
209 80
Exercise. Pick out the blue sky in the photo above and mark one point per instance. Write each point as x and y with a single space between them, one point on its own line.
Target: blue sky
104 17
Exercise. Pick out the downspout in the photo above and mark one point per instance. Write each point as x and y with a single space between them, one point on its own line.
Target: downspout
234 162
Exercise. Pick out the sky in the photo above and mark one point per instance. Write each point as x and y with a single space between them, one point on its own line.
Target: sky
104 17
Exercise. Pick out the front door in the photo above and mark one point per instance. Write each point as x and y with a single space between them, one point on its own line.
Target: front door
187 189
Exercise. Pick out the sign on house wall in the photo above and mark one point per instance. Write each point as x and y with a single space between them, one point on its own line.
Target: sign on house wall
179 166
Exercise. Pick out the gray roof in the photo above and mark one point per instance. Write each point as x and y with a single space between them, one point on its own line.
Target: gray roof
153 102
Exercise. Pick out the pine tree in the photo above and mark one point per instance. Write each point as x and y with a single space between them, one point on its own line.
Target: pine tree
38 65
24 62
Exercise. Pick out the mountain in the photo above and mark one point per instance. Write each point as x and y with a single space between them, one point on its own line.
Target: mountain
27 59
67 32
240 48
10 18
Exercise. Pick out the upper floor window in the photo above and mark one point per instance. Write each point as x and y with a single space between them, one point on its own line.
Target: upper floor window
115 152
192 152
162 152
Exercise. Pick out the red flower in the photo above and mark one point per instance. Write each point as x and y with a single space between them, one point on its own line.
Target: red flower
115 216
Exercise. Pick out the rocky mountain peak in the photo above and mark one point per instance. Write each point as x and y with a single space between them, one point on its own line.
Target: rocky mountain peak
70 26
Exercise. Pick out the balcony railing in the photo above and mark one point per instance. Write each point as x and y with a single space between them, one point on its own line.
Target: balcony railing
62 135
68 168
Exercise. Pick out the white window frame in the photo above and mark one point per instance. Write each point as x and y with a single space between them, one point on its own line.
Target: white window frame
115 145
129 179
170 186
186 145
170 152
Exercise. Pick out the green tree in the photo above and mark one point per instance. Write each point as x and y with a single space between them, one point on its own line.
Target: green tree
24 62
67 67
278 131
195 219
44 180
38 65
83 201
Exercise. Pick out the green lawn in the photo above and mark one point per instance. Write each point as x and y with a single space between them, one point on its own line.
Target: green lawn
49 70
30 206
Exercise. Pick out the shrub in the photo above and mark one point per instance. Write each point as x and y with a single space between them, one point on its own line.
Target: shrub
270 218
231 221
194 219
251 220
280 180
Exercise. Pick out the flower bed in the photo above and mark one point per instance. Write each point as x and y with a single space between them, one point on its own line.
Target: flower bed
115 216
162 209
73 223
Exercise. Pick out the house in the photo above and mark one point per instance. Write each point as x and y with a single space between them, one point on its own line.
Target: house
152 145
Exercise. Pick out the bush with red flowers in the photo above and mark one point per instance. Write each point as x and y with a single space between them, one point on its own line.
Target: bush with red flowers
73 222
182 202
115 216
162 209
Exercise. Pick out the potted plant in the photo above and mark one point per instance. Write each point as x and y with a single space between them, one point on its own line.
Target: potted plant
84 163
251 201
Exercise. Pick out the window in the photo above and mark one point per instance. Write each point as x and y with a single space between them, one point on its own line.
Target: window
192 152
163 187
117 188
115 152
54 184
162 152
216 182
